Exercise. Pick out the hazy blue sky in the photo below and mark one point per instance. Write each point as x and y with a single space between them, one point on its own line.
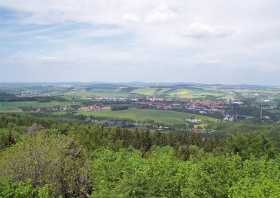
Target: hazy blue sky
217 41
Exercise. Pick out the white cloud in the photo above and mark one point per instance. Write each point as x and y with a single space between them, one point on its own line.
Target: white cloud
157 34
200 31
161 14
132 18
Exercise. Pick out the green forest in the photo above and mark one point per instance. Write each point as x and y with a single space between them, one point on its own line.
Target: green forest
41 157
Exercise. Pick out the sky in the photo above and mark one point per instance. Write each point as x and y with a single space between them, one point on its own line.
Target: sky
217 41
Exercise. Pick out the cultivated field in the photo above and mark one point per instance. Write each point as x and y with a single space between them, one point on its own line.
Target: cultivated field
142 115
17 106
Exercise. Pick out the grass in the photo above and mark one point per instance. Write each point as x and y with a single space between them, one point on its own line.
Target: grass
163 91
184 93
16 106
148 91
98 93
142 115
180 93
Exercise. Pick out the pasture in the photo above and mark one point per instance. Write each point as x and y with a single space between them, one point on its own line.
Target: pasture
17 106
143 115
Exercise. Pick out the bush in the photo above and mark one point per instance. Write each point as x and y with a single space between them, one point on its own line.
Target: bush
21 189
53 160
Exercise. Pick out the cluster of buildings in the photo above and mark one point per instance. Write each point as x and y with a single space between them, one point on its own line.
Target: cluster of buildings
194 106
166 104
205 106
95 107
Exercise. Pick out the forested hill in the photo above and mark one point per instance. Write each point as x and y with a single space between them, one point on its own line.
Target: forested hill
40 157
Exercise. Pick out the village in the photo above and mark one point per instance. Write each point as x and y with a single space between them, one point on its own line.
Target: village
233 104
222 109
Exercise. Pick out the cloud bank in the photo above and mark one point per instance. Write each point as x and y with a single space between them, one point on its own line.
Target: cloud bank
140 40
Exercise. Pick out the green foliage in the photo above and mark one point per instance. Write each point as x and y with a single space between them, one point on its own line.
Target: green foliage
109 168
145 115
212 177
6 138
119 162
160 174
126 174
22 190
53 160
252 144
258 179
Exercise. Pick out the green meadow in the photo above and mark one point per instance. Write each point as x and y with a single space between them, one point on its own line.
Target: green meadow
142 115
147 91
16 106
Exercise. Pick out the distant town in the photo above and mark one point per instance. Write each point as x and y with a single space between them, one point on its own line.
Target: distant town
194 105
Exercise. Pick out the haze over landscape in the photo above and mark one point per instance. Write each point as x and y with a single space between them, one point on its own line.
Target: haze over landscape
140 40
139 99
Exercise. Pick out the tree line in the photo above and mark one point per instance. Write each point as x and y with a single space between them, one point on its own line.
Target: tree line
43 157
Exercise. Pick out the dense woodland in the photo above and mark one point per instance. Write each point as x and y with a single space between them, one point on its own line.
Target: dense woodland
41 157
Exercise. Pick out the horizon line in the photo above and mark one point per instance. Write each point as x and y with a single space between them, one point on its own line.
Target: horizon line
140 82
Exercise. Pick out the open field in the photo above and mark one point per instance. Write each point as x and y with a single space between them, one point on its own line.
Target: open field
16 106
188 93
166 92
147 91
180 93
161 116
98 93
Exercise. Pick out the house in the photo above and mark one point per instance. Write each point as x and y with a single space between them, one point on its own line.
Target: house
95 107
